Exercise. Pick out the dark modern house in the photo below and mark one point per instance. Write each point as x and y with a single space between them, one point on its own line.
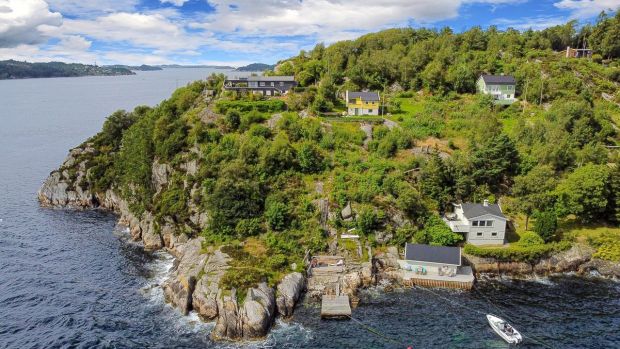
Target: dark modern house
264 85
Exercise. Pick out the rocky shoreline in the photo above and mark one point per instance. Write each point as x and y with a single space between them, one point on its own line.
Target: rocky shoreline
194 280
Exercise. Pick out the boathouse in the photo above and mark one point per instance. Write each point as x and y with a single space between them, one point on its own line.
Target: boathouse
435 266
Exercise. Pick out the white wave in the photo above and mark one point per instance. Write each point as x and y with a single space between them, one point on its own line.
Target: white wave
160 270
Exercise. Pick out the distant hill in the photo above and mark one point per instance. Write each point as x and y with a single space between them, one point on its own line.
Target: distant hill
12 69
196 66
256 67
142 67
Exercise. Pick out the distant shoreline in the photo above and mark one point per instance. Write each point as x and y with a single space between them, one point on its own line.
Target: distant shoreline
15 70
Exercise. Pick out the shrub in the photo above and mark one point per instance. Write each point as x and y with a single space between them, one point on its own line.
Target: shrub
248 227
277 214
367 219
438 233
232 119
546 225
268 106
607 244
516 253
530 238
310 158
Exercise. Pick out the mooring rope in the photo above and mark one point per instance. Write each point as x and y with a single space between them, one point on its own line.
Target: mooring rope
534 339
375 332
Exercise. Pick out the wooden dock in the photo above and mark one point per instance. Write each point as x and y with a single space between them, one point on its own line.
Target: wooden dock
335 307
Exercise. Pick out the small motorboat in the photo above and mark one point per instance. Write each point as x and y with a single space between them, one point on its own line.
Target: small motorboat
504 329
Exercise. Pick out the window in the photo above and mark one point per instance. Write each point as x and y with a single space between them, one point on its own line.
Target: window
281 83
261 84
478 234
493 234
474 223
272 84
489 223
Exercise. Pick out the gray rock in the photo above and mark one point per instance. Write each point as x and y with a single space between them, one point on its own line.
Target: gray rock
347 211
178 289
150 237
204 298
288 292
250 321
160 174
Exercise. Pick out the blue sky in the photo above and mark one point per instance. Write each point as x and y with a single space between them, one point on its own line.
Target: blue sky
237 32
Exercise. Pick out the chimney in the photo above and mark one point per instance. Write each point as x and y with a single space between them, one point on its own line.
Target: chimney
485 203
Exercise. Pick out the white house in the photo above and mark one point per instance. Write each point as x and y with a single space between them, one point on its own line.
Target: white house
482 224
501 87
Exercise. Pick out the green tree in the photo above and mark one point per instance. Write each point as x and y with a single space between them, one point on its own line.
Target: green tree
534 191
585 193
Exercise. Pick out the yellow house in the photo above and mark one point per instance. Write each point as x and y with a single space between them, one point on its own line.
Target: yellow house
362 103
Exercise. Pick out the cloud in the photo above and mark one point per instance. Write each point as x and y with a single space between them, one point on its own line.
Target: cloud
174 2
25 22
535 23
142 30
92 8
587 8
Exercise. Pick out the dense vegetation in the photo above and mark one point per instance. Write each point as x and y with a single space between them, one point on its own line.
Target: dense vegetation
256 67
22 70
260 170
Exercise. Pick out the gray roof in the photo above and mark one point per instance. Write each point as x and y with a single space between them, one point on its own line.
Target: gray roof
433 254
271 78
499 79
476 210
366 96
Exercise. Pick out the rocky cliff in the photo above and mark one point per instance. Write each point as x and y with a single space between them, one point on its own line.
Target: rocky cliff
194 281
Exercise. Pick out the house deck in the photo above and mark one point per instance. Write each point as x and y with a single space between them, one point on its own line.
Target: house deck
464 279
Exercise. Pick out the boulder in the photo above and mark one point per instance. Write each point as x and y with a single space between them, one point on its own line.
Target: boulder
250 321
603 267
288 292
179 288
205 296
347 212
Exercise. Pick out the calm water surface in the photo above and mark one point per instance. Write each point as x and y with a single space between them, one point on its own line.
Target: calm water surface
72 280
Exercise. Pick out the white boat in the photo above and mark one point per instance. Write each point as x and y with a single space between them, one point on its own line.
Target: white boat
504 329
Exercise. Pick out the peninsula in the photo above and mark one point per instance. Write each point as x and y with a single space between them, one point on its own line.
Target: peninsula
349 164
12 69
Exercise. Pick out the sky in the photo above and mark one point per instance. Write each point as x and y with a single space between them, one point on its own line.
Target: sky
239 32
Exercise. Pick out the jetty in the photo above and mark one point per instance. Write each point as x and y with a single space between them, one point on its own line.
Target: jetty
325 273
335 307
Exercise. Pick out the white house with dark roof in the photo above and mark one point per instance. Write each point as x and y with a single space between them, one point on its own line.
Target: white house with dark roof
481 224
501 87
265 85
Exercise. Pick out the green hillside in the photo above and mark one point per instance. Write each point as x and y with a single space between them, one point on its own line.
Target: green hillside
261 170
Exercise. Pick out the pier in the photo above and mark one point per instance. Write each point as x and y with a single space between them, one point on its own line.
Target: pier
335 307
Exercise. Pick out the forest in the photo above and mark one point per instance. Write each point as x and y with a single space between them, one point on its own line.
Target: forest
264 166
12 69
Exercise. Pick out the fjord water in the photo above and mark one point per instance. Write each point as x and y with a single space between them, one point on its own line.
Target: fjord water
71 279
